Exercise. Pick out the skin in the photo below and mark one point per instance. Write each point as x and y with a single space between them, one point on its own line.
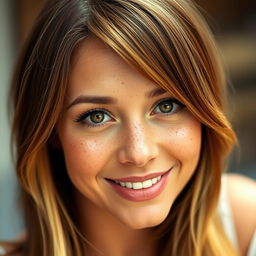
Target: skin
241 192
135 143
136 139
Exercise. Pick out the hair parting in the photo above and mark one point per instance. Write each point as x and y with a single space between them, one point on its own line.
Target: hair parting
168 42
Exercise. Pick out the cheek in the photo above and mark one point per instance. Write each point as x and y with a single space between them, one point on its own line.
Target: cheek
184 148
185 141
84 157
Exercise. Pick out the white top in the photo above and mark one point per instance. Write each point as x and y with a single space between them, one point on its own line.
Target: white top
2 250
225 213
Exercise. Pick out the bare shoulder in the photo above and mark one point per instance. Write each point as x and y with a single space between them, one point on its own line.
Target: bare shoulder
10 249
242 197
13 248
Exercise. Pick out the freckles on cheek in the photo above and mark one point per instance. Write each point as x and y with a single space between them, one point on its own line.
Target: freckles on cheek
83 156
186 140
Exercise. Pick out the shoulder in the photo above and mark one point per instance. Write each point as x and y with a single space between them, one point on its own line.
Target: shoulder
13 248
242 196
10 249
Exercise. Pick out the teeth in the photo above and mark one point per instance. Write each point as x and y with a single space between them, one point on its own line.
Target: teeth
147 183
139 185
128 184
154 180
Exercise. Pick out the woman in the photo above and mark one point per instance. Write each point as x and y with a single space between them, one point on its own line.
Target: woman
121 133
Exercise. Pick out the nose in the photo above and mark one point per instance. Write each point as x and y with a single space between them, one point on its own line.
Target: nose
138 146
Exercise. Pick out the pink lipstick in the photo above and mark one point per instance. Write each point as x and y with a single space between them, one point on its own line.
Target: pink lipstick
140 188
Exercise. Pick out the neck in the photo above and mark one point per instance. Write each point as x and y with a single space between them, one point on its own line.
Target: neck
108 236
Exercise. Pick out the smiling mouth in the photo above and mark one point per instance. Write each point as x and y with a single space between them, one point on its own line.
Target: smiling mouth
139 185
140 188
139 182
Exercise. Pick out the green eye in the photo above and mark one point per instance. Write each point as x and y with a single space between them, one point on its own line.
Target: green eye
169 106
94 118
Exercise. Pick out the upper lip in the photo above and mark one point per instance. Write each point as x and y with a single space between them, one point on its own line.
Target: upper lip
140 178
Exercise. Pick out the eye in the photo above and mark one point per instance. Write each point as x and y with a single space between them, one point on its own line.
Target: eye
94 118
168 106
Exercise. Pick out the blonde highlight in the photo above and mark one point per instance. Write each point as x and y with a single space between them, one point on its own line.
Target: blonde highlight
167 41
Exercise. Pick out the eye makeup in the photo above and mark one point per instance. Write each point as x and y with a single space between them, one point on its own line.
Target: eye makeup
100 116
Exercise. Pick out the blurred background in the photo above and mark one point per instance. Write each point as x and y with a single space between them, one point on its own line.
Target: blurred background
234 25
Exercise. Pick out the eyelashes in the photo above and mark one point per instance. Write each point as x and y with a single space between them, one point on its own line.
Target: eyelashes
168 106
94 117
99 116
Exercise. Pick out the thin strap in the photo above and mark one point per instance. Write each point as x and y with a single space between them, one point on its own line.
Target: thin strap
252 248
2 250
225 212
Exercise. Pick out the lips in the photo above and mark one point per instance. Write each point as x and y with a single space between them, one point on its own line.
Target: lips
138 185
140 188
140 178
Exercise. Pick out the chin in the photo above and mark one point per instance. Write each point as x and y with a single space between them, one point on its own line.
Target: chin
145 220
145 224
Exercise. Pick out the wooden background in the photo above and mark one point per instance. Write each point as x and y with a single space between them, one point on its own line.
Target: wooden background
234 24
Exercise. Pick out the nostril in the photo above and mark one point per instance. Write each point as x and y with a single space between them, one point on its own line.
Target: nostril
135 157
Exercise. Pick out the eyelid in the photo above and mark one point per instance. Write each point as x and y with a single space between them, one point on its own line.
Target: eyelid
170 99
167 98
85 114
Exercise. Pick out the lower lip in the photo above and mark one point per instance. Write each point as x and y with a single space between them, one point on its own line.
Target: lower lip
138 195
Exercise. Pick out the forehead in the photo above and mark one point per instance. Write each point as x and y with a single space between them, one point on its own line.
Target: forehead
96 67
91 48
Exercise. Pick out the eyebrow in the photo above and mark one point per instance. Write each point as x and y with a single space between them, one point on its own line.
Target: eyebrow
155 92
109 100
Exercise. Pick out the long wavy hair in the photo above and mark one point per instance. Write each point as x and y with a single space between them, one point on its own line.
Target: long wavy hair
167 41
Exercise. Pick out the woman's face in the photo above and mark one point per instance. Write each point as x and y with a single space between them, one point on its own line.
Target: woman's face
129 146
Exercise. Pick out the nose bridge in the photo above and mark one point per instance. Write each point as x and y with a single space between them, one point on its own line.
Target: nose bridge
137 138
138 146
